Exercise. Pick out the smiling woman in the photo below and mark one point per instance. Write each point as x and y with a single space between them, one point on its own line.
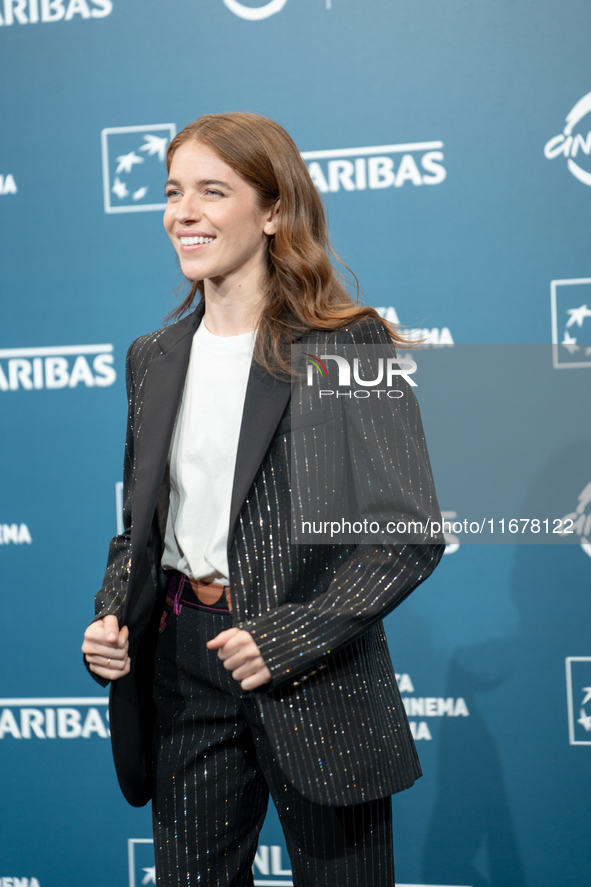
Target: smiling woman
243 664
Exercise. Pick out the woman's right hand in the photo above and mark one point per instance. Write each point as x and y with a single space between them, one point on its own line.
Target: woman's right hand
106 648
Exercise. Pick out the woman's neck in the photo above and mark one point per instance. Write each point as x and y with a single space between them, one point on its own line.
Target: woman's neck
232 310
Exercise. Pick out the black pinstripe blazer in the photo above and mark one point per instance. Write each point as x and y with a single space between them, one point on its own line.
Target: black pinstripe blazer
332 711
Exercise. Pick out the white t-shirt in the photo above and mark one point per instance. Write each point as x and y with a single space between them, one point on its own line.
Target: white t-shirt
203 454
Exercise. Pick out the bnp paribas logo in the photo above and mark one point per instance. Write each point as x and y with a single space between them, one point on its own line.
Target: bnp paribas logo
56 366
578 699
377 167
570 303
134 167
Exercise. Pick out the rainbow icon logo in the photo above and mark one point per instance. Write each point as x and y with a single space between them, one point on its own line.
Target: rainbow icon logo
314 361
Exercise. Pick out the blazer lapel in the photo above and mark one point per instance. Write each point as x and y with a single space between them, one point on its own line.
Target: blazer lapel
264 405
163 388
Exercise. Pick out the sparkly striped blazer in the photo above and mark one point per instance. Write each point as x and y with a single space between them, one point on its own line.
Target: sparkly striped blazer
332 711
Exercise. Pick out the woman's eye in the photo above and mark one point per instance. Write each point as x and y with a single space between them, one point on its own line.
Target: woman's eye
214 192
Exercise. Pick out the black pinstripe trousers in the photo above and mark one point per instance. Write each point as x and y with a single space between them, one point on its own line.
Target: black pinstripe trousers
214 769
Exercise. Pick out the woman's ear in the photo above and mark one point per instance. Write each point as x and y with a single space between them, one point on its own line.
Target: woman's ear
270 226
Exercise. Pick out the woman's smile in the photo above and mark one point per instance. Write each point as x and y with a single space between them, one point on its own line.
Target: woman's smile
194 239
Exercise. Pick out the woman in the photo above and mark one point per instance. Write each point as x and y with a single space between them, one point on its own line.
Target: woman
242 663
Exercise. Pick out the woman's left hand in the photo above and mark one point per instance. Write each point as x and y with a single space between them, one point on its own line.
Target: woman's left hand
240 655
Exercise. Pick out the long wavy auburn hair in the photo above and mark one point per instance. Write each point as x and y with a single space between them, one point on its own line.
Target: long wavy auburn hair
303 290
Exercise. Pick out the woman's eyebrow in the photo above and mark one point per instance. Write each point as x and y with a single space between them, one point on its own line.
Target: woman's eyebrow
200 182
213 182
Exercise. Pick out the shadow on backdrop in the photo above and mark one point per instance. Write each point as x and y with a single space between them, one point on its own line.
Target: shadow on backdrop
478 835
471 838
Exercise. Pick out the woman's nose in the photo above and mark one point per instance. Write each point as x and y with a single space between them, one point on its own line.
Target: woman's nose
188 210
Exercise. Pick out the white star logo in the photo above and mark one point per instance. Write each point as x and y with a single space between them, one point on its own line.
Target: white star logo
119 189
578 315
141 192
569 342
150 876
155 145
587 691
585 720
126 162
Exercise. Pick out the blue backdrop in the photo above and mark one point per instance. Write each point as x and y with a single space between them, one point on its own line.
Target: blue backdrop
451 143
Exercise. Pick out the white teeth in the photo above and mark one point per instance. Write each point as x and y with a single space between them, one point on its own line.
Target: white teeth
191 241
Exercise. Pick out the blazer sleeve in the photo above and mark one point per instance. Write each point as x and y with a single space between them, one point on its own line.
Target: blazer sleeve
374 578
110 599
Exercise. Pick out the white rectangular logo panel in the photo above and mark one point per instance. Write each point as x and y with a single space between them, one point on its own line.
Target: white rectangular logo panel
578 699
571 323
134 167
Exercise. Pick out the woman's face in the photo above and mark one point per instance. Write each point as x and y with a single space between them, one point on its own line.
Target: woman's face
213 218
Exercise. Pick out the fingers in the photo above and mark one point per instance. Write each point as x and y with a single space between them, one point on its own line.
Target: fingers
106 630
111 670
111 628
240 655
95 631
242 668
96 651
233 641
110 663
106 649
222 638
236 640
261 677
115 665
